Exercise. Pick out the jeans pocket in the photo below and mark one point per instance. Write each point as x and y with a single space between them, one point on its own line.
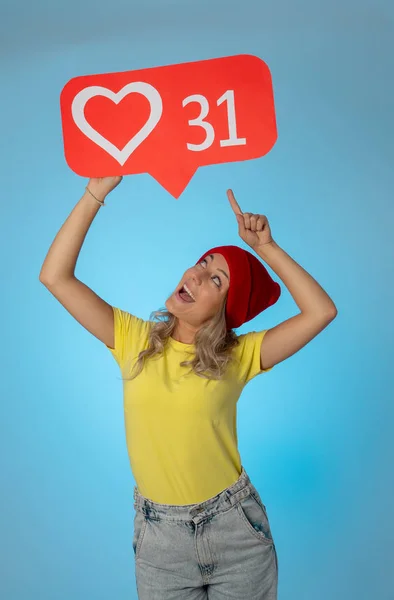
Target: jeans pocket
139 530
254 517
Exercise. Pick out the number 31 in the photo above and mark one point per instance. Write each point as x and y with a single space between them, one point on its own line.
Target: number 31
233 140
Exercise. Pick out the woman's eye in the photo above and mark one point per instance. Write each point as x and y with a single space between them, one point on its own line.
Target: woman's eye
204 260
218 278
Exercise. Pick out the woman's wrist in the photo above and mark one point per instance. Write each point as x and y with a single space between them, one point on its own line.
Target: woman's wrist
98 196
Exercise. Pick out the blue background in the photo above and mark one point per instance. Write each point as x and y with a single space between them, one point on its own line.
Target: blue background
316 433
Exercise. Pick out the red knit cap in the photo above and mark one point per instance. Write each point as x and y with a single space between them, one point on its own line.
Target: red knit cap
251 290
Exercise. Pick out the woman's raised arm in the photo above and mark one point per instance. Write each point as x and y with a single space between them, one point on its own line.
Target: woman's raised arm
57 271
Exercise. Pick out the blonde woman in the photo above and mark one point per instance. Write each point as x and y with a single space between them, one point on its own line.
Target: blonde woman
201 529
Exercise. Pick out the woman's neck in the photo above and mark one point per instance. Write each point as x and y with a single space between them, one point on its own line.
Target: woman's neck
184 333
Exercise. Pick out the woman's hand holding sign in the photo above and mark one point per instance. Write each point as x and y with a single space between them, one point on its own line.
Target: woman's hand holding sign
100 187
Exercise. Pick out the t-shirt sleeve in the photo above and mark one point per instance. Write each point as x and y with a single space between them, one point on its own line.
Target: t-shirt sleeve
131 335
249 355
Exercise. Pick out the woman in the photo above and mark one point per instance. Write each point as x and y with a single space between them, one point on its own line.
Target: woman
200 529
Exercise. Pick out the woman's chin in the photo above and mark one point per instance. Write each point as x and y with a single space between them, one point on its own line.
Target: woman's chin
176 307
172 305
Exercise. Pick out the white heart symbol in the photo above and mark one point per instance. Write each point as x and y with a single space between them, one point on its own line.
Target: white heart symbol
147 90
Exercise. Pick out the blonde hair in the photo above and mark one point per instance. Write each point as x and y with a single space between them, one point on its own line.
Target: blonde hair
213 345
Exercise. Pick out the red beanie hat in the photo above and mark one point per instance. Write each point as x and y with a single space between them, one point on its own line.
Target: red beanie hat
251 290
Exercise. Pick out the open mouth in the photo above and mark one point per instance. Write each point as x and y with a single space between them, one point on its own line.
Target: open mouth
184 296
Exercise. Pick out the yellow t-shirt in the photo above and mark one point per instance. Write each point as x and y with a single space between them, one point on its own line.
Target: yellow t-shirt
181 430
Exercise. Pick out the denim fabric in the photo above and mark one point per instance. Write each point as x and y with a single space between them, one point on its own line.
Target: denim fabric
219 549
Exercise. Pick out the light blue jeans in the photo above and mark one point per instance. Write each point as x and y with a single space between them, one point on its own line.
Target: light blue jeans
219 549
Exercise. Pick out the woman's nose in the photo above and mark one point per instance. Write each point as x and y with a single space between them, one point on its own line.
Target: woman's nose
197 278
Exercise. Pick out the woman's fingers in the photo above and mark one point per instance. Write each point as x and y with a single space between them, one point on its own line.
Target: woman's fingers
234 204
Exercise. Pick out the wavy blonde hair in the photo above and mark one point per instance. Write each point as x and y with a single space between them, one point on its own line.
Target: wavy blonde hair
213 345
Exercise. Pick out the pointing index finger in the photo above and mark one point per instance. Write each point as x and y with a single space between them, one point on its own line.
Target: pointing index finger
234 204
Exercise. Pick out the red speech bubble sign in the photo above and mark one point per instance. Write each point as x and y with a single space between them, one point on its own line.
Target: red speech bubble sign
169 121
